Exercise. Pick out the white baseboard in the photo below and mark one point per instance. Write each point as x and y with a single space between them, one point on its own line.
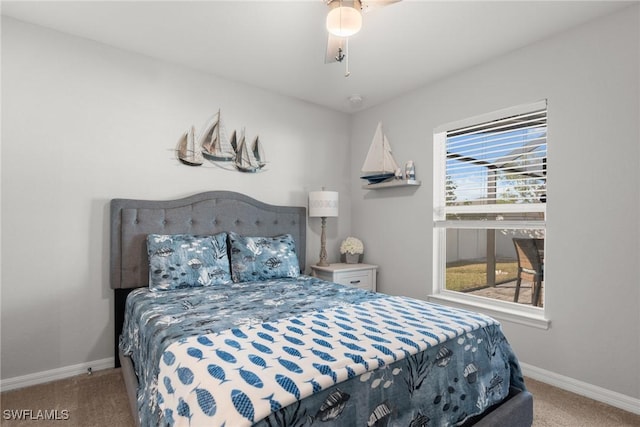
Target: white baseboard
600 394
55 374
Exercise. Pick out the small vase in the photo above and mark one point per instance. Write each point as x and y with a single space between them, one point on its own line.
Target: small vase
352 258
409 170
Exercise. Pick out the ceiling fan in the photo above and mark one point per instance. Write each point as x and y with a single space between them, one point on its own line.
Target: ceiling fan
344 20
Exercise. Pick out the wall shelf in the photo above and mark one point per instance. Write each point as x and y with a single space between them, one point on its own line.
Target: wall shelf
392 183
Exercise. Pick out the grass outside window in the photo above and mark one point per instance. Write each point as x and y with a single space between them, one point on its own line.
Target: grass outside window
466 276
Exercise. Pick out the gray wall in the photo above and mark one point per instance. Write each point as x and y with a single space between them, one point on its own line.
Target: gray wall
590 77
83 123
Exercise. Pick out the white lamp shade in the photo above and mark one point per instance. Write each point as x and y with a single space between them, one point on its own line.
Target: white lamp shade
344 21
323 203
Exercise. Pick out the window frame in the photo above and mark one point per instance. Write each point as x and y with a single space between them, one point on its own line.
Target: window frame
503 310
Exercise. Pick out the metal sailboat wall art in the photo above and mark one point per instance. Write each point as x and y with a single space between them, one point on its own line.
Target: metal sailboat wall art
188 151
213 144
379 164
249 159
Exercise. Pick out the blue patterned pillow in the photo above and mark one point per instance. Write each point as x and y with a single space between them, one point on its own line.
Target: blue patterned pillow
185 260
263 258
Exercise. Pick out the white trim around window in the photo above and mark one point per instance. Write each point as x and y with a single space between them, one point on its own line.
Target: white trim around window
473 214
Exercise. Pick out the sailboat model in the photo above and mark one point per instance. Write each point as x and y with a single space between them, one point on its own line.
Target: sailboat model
188 152
246 159
214 142
379 164
258 152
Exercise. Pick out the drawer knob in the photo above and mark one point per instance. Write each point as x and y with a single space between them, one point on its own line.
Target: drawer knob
353 282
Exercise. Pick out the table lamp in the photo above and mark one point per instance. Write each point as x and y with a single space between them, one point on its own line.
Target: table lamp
323 204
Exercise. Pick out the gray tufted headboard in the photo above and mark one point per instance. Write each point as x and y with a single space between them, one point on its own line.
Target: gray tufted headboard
204 213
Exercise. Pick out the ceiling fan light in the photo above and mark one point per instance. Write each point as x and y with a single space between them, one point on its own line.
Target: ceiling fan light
344 21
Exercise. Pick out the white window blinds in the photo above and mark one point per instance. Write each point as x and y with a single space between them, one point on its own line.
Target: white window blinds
496 166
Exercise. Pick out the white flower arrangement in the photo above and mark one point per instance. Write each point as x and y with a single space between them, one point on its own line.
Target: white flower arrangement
352 245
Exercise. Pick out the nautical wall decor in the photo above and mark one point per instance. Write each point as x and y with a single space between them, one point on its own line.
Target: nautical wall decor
379 166
381 170
213 144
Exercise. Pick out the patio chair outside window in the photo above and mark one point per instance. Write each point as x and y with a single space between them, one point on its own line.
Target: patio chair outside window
530 264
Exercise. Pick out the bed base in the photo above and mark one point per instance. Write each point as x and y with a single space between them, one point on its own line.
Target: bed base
130 383
516 410
120 301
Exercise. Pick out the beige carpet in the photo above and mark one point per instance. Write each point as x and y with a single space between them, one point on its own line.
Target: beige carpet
95 400
554 407
100 400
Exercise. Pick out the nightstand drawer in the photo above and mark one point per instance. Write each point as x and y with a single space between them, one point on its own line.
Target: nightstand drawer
359 279
361 276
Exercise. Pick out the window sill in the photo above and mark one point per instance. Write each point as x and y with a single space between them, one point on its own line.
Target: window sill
500 310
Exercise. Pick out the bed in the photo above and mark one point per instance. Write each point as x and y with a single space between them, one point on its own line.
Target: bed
270 346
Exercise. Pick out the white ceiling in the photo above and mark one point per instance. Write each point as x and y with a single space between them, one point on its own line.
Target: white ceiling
280 46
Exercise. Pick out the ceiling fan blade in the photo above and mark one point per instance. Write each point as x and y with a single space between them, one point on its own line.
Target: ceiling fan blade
334 44
370 5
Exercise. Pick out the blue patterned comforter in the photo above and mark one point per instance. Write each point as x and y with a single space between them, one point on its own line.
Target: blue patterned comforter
295 351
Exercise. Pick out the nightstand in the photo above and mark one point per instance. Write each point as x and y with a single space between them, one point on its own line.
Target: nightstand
362 276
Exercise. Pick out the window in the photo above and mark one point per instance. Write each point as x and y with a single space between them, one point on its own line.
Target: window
490 188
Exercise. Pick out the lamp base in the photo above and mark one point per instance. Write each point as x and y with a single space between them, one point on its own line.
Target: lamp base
323 244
